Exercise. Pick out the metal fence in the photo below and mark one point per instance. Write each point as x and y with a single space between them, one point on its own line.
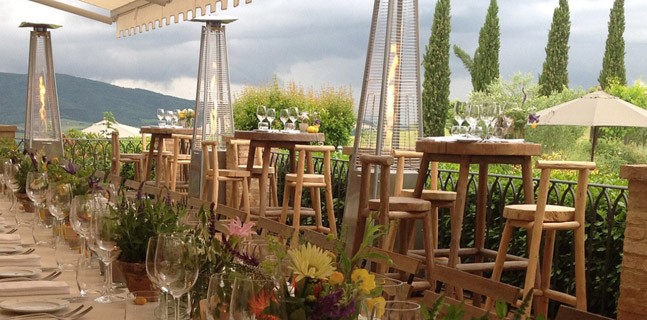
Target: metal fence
605 215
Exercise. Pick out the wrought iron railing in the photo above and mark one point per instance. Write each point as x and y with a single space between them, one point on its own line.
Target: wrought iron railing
605 216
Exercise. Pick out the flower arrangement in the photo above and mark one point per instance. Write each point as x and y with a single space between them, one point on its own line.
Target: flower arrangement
82 179
187 116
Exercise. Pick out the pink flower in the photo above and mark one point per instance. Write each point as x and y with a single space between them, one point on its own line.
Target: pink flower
240 229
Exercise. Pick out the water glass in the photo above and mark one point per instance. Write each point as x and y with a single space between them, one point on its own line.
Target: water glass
401 310
67 252
88 276
43 232
219 296
141 304
263 126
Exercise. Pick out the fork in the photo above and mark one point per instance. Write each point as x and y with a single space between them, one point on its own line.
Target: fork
11 231
50 276
72 315
28 251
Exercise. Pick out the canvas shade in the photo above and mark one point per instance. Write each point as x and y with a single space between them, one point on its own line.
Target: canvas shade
596 109
125 131
133 16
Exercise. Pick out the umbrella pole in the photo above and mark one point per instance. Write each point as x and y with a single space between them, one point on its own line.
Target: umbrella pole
594 140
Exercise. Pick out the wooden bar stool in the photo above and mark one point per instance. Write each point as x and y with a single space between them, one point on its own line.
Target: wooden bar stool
213 176
181 156
391 209
549 218
305 177
118 158
256 172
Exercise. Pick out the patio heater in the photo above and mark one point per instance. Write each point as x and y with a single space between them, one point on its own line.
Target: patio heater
214 116
390 108
42 118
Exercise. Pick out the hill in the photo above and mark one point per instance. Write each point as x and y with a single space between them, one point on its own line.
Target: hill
83 101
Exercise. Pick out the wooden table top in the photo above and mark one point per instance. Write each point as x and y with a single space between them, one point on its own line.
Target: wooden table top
165 130
478 148
280 136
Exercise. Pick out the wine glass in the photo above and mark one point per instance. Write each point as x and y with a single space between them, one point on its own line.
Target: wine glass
59 202
10 170
271 115
169 118
293 114
36 187
252 298
176 268
176 116
489 112
284 115
103 228
151 249
81 217
160 117
460 111
261 113
473 116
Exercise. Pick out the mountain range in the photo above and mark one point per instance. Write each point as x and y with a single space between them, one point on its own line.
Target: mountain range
83 101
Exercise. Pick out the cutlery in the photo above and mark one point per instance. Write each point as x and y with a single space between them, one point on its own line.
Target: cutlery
28 251
72 315
50 276
11 231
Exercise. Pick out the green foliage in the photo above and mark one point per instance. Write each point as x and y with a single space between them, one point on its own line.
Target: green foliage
554 76
613 63
435 94
335 107
467 61
141 219
486 57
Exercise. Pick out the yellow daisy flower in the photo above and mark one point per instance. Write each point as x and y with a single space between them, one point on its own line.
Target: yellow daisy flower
310 261
364 279
376 306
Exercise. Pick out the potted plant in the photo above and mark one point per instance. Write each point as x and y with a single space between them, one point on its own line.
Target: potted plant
138 220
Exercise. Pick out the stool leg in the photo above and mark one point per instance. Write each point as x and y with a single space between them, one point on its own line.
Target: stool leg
246 195
296 217
429 249
274 191
580 269
546 267
286 203
330 206
500 259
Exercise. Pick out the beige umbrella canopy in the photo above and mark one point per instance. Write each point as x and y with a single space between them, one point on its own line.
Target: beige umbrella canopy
134 16
101 128
596 109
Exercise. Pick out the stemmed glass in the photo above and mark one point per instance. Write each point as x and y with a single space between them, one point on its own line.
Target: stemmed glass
59 201
81 217
293 114
489 112
402 310
284 115
103 228
10 170
36 187
473 116
219 296
151 249
247 291
175 266
160 116
169 118
271 115
460 112
261 113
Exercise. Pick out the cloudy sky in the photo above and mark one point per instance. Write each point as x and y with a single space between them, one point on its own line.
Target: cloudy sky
313 43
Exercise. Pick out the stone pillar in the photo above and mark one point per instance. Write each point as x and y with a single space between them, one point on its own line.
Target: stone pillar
8 131
633 277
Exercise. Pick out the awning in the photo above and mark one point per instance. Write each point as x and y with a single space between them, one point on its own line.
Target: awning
133 16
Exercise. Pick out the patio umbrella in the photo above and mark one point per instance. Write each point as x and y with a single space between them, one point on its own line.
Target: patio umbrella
596 109
101 128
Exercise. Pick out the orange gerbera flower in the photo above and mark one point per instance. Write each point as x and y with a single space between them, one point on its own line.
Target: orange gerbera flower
258 304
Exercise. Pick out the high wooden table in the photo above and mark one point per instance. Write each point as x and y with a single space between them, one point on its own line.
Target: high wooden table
158 134
267 141
483 154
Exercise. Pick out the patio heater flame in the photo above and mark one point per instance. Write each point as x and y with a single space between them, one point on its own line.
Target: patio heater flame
214 115
42 92
42 118
390 107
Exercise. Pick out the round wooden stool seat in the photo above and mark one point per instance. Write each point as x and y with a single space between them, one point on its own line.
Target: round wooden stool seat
224 173
402 204
526 212
432 195
257 170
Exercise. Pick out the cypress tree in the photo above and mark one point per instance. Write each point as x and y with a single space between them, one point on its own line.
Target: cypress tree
486 58
554 76
467 60
435 94
613 63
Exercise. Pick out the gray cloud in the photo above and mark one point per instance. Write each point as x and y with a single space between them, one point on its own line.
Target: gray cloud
313 43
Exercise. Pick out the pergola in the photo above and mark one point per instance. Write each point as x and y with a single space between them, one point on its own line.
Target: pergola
133 16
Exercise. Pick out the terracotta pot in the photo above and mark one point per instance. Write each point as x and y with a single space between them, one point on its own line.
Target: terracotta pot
135 275
27 204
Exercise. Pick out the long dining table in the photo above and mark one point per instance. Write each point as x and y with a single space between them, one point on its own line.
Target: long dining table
481 153
268 140
48 264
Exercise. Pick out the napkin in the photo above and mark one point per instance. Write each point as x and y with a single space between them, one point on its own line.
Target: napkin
10 238
38 287
20 260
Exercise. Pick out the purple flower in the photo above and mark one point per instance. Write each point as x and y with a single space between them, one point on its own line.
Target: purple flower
327 307
70 167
